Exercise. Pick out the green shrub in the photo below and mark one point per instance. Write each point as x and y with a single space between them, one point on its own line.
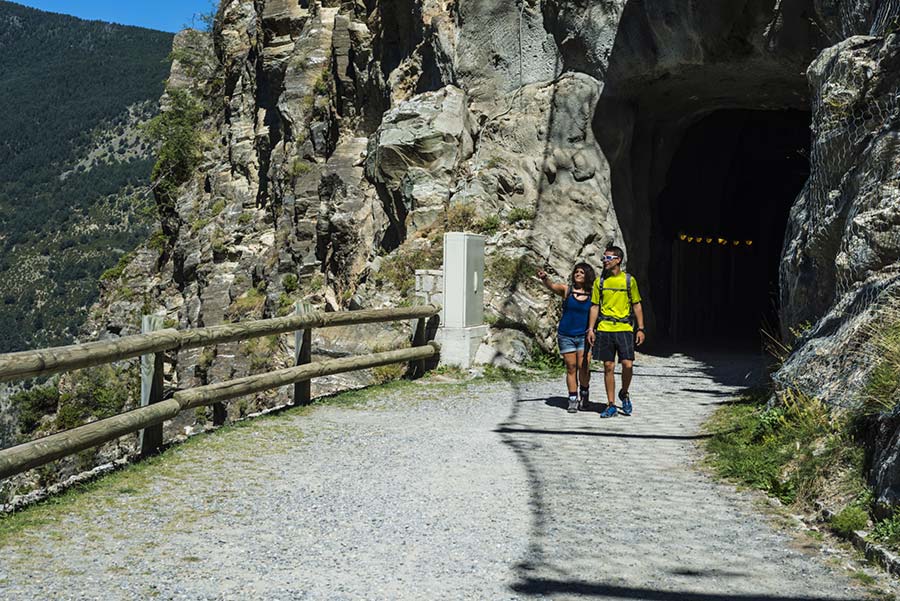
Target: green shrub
290 283
217 207
502 270
32 405
520 214
249 303
114 273
176 131
489 225
849 519
399 268
98 392
888 531
245 218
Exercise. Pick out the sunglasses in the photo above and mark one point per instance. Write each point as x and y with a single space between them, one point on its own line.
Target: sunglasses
609 257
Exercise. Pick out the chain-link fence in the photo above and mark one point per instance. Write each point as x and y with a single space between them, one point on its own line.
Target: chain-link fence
852 210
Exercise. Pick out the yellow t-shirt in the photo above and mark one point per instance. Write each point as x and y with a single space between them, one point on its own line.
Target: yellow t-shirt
614 302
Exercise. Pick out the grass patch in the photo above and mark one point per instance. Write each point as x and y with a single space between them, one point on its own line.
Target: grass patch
881 393
794 451
247 304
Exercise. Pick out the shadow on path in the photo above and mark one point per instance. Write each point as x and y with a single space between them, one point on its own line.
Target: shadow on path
619 512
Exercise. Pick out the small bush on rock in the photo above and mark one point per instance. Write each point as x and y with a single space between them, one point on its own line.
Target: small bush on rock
849 519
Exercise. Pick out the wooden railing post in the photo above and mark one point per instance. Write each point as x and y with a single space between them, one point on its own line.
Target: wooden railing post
417 367
302 355
150 439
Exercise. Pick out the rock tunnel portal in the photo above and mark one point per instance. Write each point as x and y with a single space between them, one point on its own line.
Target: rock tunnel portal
718 225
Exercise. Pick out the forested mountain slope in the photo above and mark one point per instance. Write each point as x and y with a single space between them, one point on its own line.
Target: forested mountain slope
73 163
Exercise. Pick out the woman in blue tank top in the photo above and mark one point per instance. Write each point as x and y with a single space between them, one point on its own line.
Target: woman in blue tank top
573 326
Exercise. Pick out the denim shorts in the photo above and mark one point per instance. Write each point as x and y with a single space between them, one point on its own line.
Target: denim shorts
569 344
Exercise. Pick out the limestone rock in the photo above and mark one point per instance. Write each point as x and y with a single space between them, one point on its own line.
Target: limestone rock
415 152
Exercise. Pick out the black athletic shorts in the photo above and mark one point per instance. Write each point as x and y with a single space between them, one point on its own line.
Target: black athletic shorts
608 344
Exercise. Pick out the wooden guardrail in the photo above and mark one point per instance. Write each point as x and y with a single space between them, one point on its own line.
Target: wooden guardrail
148 418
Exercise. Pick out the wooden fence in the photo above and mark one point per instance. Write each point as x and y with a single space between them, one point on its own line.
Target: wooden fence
154 410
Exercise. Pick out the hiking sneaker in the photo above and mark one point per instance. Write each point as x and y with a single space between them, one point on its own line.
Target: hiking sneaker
610 411
573 405
585 399
626 402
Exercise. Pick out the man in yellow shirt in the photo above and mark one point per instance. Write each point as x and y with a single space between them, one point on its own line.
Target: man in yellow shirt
614 302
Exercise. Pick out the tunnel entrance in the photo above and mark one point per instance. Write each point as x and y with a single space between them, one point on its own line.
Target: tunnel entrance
719 225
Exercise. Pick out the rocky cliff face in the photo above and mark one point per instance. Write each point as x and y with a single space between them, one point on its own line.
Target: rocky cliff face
343 137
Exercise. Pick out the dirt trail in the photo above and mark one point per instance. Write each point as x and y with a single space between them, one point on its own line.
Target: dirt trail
483 491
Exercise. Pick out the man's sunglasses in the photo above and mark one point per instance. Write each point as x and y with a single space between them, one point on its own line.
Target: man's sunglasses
609 257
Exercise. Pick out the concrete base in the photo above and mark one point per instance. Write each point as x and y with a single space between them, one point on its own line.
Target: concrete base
459 345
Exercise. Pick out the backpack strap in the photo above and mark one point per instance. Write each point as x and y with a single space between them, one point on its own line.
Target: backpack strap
628 291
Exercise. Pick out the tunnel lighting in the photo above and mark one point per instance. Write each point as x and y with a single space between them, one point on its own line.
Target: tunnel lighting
682 237
699 240
748 242
723 241
736 242
709 240
689 238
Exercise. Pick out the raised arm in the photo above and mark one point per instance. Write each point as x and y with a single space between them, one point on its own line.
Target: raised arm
553 287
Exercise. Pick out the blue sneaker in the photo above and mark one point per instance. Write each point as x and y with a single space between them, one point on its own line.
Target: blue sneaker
626 402
610 411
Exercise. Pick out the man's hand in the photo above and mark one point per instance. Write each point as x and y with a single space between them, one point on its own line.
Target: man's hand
640 338
541 274
590 337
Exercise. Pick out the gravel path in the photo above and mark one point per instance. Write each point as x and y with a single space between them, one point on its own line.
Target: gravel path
484 491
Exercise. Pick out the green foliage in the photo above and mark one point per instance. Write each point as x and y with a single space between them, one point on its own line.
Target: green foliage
290 283
217 207
399 268
849 519
299 167
520 214
543 360
32 405
176 131
245 218
80 77
489 225
502 270
793 451
881 393
98 392
888 531
249 303
114 273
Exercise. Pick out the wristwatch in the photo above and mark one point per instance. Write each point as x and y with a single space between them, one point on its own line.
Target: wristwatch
640 329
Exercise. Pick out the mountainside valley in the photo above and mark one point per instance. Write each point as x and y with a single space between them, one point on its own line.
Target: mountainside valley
74 164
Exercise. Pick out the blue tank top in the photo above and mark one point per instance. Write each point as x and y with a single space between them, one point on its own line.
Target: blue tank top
575 316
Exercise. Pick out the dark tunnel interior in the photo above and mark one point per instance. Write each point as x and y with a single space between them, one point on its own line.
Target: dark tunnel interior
720 222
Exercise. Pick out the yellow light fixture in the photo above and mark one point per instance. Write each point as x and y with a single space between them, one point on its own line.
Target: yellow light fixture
709 240
723 241
682 237
736 242
699 239
689 238
748 242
